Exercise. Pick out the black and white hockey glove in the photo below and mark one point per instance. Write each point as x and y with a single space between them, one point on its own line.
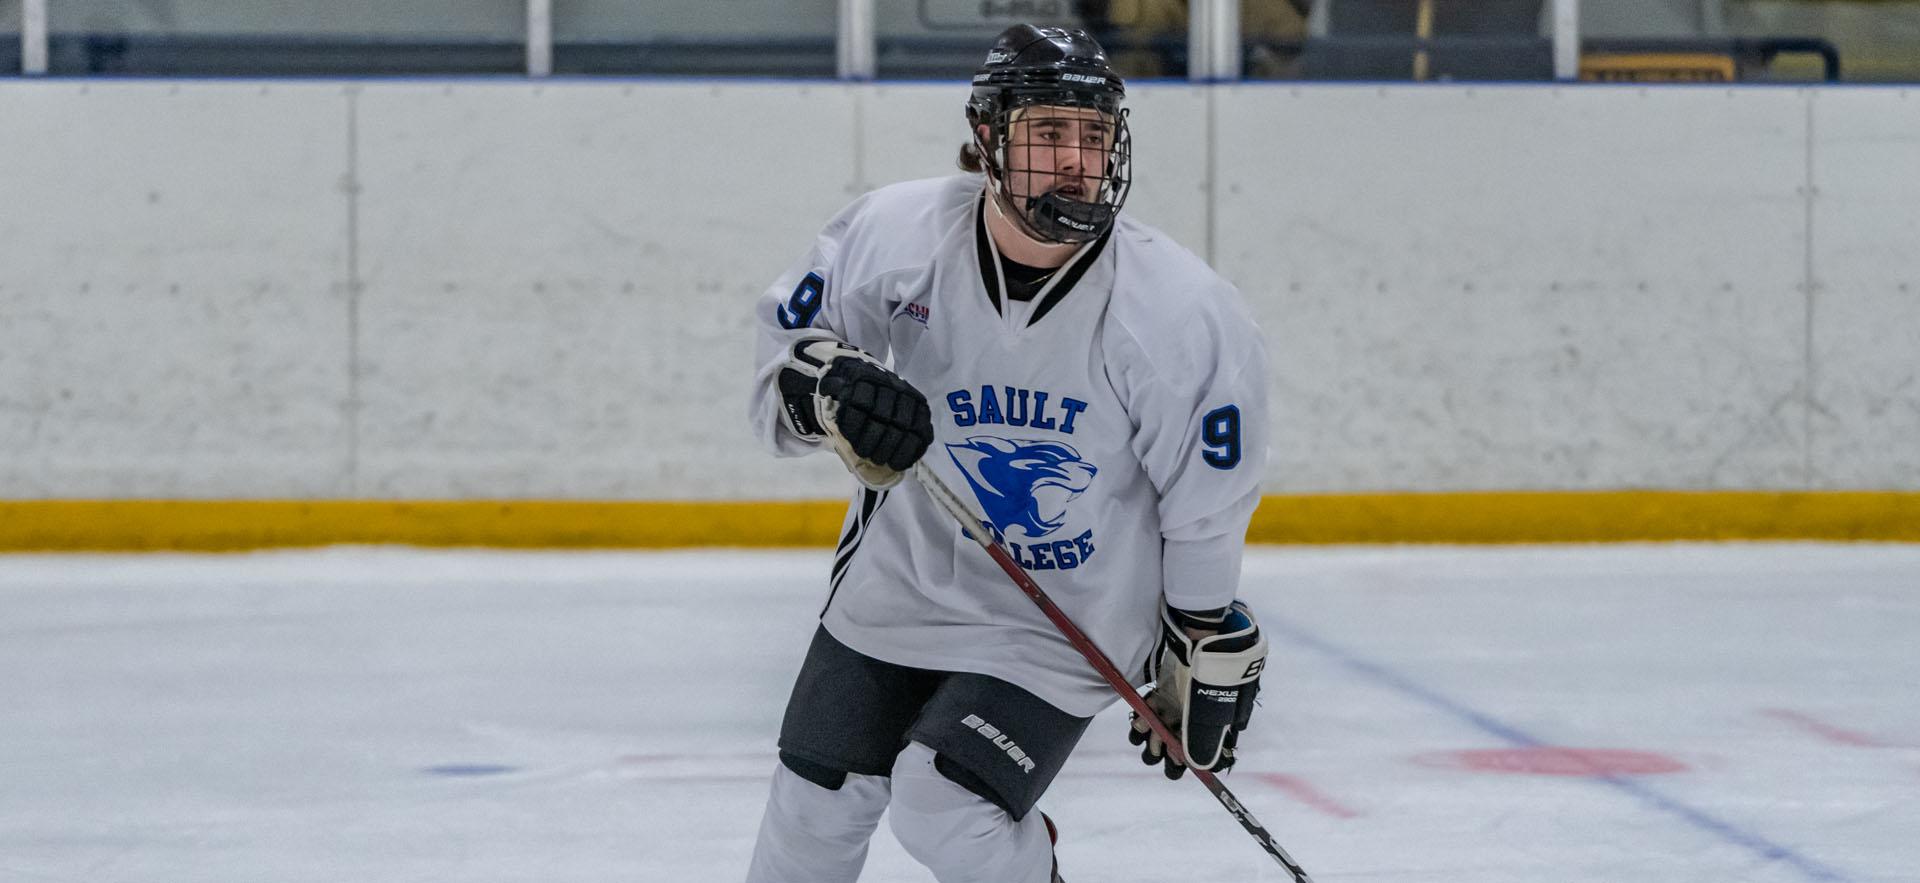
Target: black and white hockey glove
1205 688
878 423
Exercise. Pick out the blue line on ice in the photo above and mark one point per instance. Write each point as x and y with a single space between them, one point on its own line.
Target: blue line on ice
1701 819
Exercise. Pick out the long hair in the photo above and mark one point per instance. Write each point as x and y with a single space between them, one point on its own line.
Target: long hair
970 159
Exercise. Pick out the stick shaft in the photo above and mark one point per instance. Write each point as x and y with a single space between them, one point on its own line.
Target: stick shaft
976 531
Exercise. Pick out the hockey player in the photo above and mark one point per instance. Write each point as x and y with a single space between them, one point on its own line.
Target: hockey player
1100 392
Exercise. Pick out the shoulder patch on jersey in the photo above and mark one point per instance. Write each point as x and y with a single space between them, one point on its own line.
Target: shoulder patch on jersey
1023 483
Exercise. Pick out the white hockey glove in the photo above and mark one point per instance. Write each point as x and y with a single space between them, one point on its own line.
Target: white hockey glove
878 423
1205 688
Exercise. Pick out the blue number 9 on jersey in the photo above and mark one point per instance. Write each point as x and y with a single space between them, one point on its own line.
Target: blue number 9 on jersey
804 303
1220 429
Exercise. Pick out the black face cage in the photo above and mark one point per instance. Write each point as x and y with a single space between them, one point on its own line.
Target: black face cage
1058 191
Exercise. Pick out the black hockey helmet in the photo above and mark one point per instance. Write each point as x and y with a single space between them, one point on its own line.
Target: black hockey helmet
1031 67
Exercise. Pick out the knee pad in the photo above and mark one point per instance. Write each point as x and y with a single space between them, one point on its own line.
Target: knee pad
960 835
805 809
810 832
932 816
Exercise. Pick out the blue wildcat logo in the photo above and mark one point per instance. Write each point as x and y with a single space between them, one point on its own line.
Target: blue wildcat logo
1024 484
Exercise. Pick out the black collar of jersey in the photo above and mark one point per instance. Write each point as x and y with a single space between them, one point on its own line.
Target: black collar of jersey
1022 286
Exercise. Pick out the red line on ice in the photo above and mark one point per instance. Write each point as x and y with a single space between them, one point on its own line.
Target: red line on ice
1301 790
1548 760
1824 730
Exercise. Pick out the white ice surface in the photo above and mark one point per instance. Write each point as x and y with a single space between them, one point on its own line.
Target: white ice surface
278 717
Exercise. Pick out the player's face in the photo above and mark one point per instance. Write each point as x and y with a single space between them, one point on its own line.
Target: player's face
1062 149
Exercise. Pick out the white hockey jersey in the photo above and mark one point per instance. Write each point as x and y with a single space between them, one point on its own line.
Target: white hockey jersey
1112 429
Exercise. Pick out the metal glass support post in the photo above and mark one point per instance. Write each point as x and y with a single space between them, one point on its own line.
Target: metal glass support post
539 38
33 37
1199 48
1213 41
854 47
1566 39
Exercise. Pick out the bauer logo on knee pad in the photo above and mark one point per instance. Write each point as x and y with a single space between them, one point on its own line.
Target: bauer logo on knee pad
1000 741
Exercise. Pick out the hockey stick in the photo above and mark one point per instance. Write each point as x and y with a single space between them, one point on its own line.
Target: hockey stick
971 526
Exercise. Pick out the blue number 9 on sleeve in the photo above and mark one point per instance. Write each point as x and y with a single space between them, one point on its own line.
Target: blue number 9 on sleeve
804 304
1220 429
